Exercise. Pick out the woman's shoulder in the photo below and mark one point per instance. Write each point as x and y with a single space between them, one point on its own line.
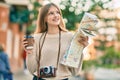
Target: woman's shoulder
37 36
68 33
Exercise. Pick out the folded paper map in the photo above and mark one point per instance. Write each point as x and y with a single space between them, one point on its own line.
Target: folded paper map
73 55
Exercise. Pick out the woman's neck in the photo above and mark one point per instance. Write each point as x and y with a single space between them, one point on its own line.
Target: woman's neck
53 29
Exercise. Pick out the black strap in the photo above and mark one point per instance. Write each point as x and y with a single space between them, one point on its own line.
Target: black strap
59 48
40 48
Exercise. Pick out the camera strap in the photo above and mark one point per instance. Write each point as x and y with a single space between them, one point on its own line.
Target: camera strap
40 49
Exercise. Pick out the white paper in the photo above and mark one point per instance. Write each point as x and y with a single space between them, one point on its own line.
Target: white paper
73 55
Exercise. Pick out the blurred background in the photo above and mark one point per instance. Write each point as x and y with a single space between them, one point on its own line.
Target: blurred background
101 56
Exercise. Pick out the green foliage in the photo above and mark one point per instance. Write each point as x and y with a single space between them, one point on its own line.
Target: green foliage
88 64
102 46
72 19
34 12
19 14
30 29
118 36
111 59
73 10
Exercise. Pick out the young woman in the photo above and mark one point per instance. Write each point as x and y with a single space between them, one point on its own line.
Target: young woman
51 41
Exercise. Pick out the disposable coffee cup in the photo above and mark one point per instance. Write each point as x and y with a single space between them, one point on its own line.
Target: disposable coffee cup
30 40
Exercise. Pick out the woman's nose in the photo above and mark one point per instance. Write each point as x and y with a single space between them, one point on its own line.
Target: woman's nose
55 14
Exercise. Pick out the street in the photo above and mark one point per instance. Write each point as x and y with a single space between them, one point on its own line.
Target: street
106 74
21 75
99 74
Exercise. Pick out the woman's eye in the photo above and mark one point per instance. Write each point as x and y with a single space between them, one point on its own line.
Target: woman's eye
58 12
50 13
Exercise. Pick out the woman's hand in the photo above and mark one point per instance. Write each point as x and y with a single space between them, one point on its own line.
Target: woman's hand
83 40
25 44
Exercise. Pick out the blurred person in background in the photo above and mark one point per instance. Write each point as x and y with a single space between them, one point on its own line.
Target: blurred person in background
24 62
5 70
51 40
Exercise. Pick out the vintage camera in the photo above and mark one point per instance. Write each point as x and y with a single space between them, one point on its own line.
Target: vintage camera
47 71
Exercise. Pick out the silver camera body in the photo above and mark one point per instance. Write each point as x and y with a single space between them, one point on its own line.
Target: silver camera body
47 71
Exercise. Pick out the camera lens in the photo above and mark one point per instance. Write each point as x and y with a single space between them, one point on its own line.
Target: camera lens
45 69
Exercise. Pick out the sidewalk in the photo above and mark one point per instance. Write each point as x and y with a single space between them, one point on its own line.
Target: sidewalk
99 74
21 75
107 74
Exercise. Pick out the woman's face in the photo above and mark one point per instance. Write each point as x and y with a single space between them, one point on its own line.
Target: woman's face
53 16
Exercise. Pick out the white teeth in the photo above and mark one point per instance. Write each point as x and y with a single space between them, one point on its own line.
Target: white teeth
55 19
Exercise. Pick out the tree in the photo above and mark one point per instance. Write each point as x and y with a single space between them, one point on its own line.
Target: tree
19 14
74 10
34 13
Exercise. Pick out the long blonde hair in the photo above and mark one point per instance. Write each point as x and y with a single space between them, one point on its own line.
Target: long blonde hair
41 24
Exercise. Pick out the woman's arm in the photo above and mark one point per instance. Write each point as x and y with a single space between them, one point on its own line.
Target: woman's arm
31 55
31 60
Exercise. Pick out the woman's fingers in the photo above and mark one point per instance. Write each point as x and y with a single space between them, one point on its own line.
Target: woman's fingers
83 40
25 44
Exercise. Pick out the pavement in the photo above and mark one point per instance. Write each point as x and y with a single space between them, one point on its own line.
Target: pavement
22 75
106 74
99 74
25 75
